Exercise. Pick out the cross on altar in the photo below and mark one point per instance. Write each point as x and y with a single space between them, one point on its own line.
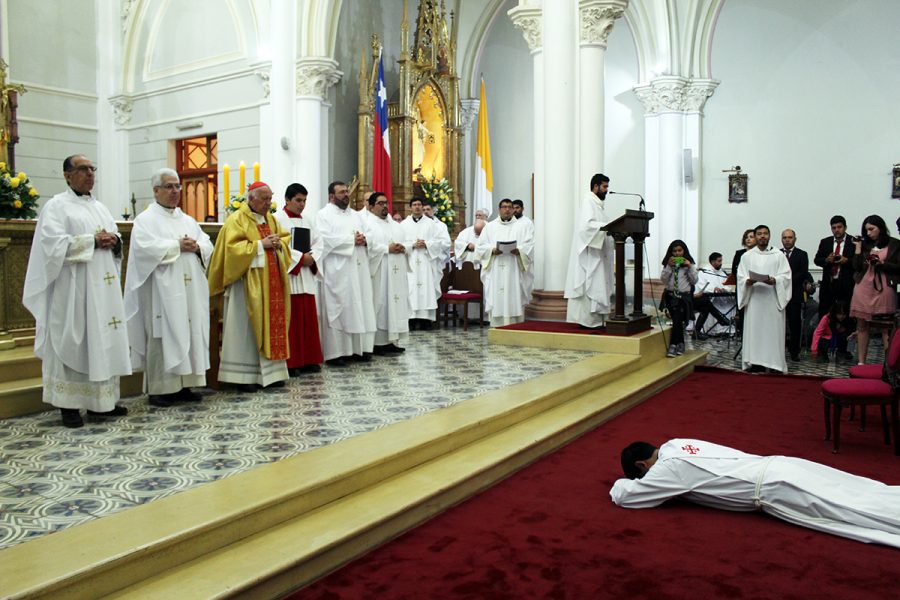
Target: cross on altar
109 278
187 279
115 323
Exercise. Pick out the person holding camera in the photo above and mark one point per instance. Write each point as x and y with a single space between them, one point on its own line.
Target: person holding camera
834 255
876 270
679 274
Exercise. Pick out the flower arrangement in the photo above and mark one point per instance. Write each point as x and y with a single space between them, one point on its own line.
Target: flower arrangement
18 198
235 202
437 193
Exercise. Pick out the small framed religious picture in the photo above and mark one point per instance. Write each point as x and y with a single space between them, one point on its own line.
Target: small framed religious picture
737 187
895 178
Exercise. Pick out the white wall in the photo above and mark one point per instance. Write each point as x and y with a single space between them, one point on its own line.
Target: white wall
808 108
57 115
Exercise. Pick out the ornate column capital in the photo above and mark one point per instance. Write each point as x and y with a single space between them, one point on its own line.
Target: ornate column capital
122 106
468 112
528 20
597 18
264 76
316 75
670 93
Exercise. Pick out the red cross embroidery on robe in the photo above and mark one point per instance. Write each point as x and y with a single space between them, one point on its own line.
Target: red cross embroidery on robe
690 449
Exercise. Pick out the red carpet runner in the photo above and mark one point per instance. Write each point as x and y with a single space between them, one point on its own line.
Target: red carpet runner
550 531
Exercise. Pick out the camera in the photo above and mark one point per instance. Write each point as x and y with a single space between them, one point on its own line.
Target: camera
872 259
679 260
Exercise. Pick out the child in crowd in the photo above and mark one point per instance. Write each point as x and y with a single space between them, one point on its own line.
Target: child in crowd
835 329
679 274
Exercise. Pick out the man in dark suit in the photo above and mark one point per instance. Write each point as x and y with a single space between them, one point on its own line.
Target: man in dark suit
799 261
834 255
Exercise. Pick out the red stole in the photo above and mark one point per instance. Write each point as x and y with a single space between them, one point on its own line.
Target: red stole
277 325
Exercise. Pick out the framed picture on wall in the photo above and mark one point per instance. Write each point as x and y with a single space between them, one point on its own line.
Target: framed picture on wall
737 187
895 178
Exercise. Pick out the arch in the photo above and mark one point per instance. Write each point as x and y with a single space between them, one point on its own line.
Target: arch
319 33
475 47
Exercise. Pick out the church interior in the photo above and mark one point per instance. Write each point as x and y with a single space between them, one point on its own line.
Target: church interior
717 114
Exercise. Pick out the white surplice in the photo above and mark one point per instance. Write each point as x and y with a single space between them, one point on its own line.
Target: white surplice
167 300
390 279
504 276
708 279
461 252
73 291
589 281
346 309
425 275
764 304
795 490
304 282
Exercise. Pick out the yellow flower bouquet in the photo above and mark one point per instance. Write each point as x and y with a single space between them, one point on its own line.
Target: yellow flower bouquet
18 198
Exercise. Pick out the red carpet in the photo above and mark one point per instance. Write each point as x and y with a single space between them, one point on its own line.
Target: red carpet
558 327
550 531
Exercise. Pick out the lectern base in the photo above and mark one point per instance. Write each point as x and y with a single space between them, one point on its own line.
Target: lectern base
628 325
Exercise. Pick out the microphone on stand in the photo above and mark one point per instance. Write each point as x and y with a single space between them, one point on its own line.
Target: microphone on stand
641 206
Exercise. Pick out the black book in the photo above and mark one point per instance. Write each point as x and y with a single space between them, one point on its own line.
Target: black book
300 239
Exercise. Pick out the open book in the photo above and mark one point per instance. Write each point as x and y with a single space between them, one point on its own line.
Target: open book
506 247
754 276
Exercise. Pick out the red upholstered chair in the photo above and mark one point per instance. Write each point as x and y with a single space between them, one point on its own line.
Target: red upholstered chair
864 372
468 280
838 393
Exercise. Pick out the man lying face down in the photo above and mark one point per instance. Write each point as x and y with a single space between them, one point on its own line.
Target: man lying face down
795 490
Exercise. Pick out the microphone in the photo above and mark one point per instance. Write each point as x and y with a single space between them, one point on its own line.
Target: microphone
641 206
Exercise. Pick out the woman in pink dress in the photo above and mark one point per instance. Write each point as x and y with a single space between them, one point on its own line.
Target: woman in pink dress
876 270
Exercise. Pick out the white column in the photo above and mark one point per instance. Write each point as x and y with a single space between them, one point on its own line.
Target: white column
527 18
595 24
559 166
315 76
468 115
673 117
113 112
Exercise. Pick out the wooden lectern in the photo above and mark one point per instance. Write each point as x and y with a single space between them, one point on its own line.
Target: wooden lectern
634 224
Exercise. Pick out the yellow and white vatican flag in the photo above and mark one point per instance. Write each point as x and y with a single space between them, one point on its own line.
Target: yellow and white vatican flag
484 179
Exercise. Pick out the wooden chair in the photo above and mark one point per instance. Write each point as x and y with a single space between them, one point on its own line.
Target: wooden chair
838 393
465 278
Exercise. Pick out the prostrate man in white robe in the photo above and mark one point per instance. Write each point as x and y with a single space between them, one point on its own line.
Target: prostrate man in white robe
72 288
504 272
389 265
792 489
346 310
464 246
250 265
589 282
424 280
764 298
167 296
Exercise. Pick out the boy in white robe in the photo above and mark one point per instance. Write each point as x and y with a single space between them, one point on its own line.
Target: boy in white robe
792 489
389 266
589 283
167 296
72 288
764 304
504 275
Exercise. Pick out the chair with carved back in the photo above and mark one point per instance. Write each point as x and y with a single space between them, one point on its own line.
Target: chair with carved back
882 392
465 288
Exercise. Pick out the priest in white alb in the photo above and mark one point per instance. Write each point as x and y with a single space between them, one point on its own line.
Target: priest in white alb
506 252
167 296
389 266
72 288
467 239
346 309
589 281
250 265
427 251
764 275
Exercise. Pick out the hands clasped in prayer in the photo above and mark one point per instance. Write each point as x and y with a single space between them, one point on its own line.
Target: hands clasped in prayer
105 240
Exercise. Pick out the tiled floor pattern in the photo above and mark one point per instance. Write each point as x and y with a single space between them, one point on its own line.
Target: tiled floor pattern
52 478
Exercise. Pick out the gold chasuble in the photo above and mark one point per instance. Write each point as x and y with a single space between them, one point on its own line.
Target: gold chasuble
267 288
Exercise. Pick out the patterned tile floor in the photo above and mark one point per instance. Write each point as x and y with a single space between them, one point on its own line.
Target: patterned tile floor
52 478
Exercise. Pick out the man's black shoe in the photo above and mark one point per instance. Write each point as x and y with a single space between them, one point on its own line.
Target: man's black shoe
186 395
392 349
71 418
164 400
336 362
117 411
795 356
276 384
382 350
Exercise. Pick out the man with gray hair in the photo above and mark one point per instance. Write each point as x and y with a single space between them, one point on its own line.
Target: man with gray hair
167 296
464 246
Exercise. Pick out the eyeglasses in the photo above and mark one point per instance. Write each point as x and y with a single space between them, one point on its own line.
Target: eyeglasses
381 203
171 187
85 169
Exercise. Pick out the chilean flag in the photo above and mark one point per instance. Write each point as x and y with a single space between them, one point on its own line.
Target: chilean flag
381 156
